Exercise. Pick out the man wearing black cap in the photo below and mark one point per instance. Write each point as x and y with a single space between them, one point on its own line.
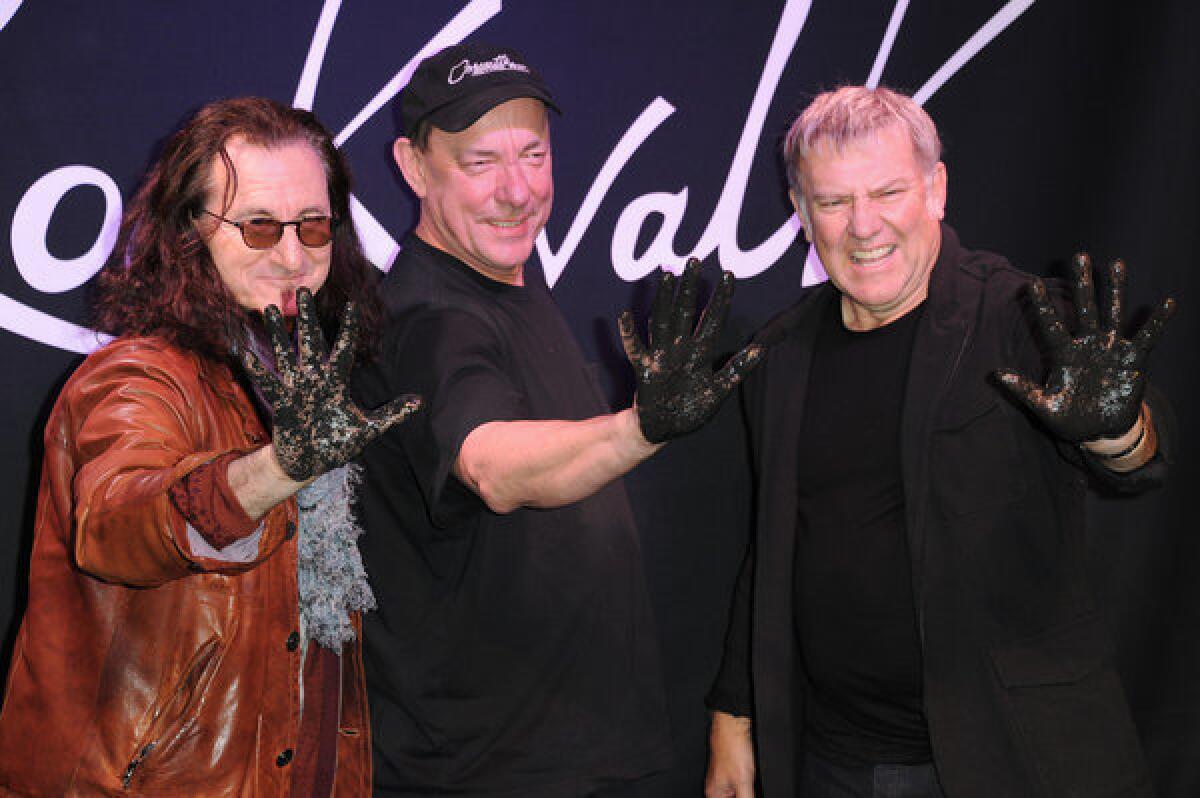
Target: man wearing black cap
513 653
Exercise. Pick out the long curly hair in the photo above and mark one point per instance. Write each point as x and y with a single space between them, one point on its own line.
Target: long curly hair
160 279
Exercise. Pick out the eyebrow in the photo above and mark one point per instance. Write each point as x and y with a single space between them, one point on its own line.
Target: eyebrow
481 152
825 195
895 182
311 210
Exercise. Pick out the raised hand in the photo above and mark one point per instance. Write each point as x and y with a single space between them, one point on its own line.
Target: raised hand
677 390
317 425
1097 378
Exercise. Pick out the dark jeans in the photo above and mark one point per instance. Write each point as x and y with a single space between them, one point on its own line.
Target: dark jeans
823 779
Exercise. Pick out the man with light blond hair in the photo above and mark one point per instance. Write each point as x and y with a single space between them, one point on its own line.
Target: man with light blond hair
913 619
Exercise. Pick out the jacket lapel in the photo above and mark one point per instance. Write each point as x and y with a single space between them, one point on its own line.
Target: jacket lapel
775 397
779 398
941 340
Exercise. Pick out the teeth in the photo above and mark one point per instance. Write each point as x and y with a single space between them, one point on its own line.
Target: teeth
861 255
506 224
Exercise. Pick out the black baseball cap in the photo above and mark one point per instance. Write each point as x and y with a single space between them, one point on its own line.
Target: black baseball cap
454 87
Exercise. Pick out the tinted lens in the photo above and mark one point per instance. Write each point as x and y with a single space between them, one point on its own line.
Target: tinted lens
315 231
261 233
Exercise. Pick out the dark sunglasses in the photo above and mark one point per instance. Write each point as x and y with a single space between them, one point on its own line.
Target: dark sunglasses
313 231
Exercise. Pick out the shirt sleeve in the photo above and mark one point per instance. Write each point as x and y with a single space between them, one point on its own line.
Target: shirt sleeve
457 361
211 507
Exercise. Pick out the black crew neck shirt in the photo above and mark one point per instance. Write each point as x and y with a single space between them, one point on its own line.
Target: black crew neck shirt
510 655
855 615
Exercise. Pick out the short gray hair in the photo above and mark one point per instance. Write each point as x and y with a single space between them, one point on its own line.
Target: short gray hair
850 113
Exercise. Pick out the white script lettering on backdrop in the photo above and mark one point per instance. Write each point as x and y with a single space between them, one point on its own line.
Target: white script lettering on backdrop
47 273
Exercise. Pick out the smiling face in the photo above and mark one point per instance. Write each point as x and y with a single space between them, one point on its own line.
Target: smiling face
873 214
284 183
485 192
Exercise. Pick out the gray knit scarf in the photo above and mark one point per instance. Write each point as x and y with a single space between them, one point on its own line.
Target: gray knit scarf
330 574
332 580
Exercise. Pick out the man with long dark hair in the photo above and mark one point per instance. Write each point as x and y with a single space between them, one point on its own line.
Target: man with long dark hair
195 583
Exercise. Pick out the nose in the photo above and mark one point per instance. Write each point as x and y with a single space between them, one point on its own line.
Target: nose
512 186
289 252
864 218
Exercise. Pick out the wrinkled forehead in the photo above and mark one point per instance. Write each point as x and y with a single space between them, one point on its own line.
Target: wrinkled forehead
518 121
243 165
870 157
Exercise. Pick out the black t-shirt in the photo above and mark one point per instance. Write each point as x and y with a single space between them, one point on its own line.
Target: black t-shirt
854 607
510 654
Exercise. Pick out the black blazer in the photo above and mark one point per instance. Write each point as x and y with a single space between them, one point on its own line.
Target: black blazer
1020 692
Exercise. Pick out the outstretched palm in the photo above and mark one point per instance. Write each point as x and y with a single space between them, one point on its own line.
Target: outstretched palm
1096 380
317 425
677 390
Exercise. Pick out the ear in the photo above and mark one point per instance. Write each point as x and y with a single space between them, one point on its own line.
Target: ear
411 163
801 213
205 226
935 197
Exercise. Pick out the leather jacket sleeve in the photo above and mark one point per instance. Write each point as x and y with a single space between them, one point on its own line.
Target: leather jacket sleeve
137 419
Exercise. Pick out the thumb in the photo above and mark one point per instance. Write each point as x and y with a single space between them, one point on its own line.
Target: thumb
394 412
1019 387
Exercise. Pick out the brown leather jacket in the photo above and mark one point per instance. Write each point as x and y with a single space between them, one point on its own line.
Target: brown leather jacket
143 667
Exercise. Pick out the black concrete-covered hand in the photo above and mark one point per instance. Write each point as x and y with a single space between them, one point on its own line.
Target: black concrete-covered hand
677 390
317 426
1097 378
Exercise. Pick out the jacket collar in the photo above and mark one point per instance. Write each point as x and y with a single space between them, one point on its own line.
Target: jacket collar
953 292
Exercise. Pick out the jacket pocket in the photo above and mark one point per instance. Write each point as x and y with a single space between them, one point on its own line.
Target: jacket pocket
1068 714
174 718
974 462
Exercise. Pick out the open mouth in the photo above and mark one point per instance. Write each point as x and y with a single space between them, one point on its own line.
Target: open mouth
867 257
517 224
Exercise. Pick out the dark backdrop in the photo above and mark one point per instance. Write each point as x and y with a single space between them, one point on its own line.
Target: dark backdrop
1068 124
